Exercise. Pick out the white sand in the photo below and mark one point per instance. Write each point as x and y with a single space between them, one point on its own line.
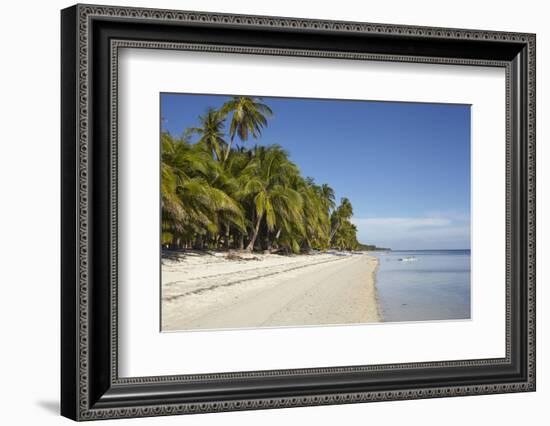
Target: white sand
211 292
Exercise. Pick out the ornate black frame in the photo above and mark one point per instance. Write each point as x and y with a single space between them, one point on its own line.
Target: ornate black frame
91 37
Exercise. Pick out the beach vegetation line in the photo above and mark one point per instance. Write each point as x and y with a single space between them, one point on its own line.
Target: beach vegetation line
216 194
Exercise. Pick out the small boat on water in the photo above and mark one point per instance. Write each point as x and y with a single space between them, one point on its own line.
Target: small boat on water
408 259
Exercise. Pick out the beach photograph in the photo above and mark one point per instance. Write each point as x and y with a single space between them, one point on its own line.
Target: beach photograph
294 212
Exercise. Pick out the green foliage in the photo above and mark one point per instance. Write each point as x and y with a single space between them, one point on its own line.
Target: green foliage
214 194
248 116
371 247
211 132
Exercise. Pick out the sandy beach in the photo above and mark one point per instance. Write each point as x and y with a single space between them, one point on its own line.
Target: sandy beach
210 291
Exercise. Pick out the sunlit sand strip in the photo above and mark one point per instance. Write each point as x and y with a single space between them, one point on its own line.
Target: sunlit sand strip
275 291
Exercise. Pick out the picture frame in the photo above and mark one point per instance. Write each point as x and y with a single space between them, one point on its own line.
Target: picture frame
90 384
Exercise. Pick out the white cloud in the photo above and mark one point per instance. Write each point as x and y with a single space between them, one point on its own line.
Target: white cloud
406 222
430 232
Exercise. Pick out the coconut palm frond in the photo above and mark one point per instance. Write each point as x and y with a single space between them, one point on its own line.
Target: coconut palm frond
213 193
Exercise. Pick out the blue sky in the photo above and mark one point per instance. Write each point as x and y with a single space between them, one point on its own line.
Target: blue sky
404 166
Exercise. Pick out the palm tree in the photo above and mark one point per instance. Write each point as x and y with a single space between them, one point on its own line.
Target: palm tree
224 180
248 117
211 132
327 194
265 180
214 194
346 238
179 163
190 205
316 229
343 213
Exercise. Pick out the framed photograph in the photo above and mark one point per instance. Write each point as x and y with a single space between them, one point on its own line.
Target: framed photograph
263 212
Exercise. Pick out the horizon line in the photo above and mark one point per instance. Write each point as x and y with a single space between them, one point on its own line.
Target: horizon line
432 249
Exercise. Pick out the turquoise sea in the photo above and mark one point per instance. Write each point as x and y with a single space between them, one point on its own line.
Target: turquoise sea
424 285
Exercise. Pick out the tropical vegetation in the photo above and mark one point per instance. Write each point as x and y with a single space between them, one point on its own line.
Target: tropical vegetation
216 194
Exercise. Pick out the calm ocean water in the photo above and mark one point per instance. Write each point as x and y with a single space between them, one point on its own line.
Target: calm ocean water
435 285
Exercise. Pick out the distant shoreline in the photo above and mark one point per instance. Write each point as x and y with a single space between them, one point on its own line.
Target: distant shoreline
230 290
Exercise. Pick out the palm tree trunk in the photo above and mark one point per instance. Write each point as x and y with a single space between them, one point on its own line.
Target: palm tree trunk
270 244
250 246
241 241
333 232
226 156
226 240
199 243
